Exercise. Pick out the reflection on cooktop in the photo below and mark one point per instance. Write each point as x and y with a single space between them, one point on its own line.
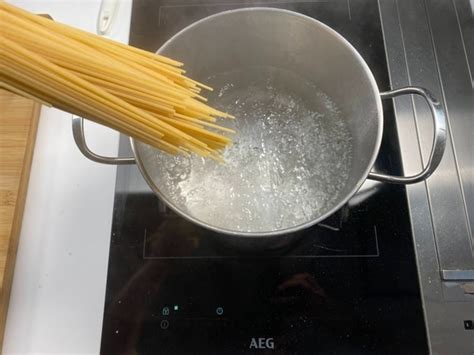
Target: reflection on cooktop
326 240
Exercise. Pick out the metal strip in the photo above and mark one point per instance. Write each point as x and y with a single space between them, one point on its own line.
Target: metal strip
450 131
457 275
463 42
441 314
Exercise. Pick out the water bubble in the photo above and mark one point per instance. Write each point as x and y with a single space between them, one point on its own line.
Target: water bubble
289 162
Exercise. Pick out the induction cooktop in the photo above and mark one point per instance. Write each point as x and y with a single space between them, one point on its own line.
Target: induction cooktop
347 285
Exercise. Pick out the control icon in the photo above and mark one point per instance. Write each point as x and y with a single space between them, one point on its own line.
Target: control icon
219 311
164 324
165 311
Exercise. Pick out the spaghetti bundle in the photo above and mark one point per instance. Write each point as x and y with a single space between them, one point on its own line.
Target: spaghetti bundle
142 94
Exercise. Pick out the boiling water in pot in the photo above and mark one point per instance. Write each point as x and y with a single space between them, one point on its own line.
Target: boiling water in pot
290 159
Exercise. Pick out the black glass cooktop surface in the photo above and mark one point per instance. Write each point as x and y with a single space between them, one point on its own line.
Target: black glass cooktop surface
348 285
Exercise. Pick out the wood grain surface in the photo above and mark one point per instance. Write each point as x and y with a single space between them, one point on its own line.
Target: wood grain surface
18 125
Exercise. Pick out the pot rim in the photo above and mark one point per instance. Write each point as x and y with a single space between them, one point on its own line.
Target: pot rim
294 229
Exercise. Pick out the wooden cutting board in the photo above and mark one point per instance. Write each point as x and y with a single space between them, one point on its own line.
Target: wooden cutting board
18 125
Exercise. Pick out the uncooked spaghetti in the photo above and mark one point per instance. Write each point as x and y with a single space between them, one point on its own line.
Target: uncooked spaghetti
141 94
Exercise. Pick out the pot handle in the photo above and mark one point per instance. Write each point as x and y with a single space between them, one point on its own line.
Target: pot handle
79 138
439 136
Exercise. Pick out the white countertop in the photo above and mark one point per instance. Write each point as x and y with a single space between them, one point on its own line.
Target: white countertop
57 298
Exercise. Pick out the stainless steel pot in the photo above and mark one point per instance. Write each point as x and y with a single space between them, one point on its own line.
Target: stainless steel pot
242 40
